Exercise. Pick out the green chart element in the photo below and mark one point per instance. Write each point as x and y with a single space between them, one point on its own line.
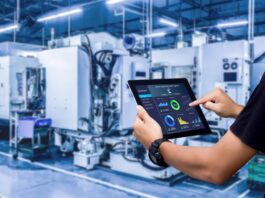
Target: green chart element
175 105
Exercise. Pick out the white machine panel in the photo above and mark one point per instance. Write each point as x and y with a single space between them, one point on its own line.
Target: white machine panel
18 49
13 83
225 65
212 61
176 57
4 88
67 91
177 63
131 68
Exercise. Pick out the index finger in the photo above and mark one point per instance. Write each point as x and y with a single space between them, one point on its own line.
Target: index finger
202 100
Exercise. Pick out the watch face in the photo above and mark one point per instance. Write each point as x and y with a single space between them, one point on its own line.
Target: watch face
153 159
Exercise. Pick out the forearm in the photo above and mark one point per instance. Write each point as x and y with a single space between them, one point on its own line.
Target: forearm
213 164
197 162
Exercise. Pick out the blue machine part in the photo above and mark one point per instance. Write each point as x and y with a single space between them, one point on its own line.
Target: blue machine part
129 42
39 122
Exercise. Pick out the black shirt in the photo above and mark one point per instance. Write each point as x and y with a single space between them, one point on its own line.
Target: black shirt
250 124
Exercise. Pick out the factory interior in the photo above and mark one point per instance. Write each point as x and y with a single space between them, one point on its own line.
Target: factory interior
67 112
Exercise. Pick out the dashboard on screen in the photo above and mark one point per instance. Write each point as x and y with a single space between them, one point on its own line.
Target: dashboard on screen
169 106
167 101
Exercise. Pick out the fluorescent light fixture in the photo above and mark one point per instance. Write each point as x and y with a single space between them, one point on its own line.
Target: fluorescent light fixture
111 2
156 34
8 28
168 22
60 15
232 24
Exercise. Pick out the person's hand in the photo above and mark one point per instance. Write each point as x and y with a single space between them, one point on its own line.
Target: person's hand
146 129
220 103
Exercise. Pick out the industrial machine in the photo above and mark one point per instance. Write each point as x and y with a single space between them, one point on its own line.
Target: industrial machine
256 173
84 78
23 79
177 63
22 88
206 68
229 70
91 105
163 71
80 83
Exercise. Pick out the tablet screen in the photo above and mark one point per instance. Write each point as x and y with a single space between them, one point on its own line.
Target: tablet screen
168 104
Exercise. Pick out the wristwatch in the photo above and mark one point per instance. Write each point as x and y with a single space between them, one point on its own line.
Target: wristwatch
154 154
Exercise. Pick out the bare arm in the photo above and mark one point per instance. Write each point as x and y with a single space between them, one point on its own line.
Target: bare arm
215 164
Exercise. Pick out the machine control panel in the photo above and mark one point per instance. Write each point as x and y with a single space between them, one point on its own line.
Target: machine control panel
232 70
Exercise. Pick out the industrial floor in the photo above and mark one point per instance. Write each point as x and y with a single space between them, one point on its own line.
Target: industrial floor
57 177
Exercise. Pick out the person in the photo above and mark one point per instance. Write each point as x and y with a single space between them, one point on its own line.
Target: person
218 163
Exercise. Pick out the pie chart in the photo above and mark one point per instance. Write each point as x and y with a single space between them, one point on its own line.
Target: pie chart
169 120
175 105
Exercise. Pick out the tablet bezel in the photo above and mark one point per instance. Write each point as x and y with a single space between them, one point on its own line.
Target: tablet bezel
133 83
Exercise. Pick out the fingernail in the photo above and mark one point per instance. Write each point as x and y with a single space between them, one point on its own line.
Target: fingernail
139 108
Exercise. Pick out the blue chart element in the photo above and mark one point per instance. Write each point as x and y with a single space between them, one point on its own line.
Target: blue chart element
169 120
163 104
145 95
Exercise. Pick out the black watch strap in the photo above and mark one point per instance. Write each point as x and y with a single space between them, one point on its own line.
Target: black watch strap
154 154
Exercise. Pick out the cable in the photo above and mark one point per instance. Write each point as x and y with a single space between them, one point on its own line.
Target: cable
130 160
154 168
93 79
116 144
105 60
100 59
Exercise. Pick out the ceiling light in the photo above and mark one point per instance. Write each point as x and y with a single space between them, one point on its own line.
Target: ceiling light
111 2
232 24
8 28
156 34
59 15
168 22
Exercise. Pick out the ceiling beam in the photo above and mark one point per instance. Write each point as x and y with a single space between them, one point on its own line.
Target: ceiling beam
197 5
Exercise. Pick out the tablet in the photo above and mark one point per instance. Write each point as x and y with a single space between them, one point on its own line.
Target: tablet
167 102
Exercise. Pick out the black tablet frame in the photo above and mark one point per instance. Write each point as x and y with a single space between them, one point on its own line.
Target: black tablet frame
133 83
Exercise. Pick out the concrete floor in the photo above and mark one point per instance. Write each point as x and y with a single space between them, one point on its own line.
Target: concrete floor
24 179
20 179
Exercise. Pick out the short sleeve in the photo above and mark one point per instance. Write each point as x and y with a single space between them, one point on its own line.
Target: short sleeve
250 124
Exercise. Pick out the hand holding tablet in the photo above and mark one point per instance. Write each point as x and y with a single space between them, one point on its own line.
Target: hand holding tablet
167 102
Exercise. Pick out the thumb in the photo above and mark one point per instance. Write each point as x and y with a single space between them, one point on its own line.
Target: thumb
210 106
142 113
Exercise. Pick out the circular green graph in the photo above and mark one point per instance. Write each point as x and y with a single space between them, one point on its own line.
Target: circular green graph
175 105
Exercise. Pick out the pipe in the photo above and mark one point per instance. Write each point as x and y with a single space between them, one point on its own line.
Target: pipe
123 23
18 11
150 28
16 20
251 30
